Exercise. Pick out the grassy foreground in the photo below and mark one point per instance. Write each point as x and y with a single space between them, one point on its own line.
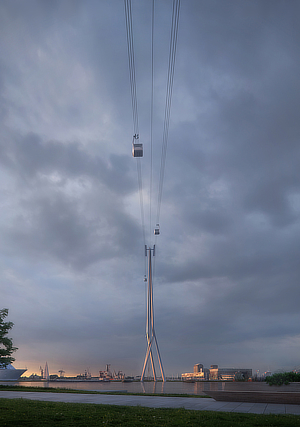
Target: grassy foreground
22 412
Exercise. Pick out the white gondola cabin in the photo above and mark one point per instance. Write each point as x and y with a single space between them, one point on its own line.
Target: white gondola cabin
156 230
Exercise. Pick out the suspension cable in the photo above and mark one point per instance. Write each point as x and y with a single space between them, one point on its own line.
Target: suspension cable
169 90
129 31
172 55
151 118
132 78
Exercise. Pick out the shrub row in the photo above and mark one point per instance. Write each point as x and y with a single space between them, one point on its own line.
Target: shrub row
283 378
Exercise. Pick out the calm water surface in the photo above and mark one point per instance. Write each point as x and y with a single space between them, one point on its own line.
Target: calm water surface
134 387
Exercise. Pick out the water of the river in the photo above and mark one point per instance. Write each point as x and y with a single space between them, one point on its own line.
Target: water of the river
131 387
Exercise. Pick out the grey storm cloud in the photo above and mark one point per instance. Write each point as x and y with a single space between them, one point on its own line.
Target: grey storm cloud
76 232
30 157
72 251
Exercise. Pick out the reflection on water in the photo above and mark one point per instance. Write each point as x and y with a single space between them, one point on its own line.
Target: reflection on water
134 387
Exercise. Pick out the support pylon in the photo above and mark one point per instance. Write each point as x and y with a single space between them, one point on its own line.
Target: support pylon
150 331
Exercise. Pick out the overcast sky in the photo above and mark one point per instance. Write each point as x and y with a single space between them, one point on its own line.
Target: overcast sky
226 282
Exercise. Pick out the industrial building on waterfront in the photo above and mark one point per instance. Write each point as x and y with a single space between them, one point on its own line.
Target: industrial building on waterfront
215 373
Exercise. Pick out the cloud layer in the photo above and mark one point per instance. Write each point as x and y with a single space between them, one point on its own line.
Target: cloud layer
72 259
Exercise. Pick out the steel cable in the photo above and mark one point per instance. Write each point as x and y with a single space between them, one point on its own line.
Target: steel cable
132 79
151 120
130 47
169 91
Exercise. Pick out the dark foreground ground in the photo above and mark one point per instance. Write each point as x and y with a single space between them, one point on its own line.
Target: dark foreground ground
74 409
23 412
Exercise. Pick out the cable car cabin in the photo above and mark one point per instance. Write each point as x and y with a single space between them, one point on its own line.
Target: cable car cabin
137 150
156 230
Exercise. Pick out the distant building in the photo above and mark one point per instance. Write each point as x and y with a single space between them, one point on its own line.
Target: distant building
234 374
215 373
46 375
199 374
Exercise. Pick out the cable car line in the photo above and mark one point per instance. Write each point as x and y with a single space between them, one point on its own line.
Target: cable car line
138 148
172 55
129 31
151 117
137 151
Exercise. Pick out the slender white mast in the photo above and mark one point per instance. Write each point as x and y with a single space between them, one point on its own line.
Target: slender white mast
150 331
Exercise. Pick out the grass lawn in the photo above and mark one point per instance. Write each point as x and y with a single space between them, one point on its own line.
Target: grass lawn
22 412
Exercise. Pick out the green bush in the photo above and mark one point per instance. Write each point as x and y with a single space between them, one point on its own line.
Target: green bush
283 378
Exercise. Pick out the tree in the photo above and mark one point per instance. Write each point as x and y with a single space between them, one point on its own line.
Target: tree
6 344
